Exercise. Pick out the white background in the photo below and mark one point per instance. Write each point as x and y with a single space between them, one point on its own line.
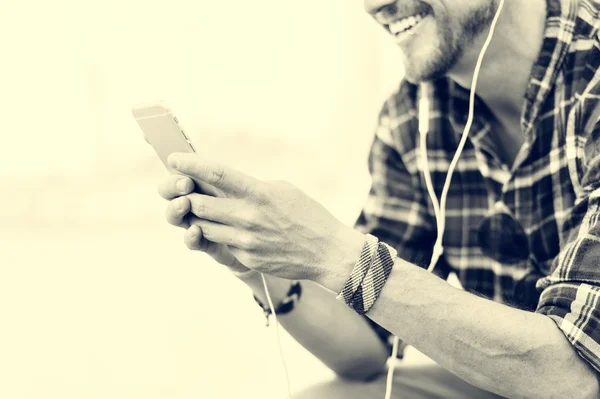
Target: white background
99 298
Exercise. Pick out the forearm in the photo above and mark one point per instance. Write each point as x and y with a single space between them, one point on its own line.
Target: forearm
495 347
331 331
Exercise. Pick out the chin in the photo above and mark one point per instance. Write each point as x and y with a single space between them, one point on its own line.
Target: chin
429 63
423 70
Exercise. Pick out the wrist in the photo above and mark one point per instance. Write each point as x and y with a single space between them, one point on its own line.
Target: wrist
278 287
283 306
369 275
344 251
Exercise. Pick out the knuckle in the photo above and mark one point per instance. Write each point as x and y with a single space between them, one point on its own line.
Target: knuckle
263 193
248 241
243 241
216 175
229 241
200 208
248 218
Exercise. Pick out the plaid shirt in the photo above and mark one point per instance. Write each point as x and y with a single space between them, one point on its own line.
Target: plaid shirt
553 189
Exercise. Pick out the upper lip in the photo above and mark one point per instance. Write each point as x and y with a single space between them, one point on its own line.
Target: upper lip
388 18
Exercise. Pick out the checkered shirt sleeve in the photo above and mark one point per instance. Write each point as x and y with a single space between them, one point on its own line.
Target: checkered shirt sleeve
571 294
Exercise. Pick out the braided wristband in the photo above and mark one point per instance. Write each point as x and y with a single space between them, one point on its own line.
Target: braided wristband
369 275
286 305
372 285
360 269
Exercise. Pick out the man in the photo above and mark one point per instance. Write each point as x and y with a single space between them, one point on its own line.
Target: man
523 213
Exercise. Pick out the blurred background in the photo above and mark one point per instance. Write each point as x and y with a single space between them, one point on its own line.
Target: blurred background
99 297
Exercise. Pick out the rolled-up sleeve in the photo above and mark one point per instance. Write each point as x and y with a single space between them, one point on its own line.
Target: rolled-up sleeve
571 294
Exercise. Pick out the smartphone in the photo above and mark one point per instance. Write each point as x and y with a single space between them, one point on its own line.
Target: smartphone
162 130
164 133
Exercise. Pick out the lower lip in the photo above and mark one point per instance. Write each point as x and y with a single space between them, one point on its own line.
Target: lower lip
403 36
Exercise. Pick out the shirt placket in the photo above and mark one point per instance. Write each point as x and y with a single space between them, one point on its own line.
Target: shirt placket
493 170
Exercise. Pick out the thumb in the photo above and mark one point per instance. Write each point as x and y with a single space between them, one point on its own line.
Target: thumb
232 182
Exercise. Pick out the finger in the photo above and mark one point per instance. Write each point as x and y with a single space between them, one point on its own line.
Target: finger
177 211
220 233
207 189
175 186
232 182
221 210
194 240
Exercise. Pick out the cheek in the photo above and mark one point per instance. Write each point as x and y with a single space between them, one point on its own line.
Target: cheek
439 36
446 25
441 26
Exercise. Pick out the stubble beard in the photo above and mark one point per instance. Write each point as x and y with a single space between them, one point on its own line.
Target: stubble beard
451 41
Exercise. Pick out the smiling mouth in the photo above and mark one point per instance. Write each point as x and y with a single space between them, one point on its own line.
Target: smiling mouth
406 24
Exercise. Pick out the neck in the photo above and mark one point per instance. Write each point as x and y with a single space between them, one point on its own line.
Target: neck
507 65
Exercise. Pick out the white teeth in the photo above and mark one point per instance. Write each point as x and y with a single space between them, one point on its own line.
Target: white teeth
405 23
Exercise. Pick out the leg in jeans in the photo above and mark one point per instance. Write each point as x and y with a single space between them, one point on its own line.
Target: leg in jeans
410 382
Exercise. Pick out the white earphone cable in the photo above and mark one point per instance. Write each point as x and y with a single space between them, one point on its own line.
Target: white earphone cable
287 375
440 208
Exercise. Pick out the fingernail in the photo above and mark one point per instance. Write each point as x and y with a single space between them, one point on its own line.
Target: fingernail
182 186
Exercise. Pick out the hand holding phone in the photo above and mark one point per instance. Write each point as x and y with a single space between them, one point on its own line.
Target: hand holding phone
164 133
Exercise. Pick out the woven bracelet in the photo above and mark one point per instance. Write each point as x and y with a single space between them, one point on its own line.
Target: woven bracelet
365 283
372 285
360 269
286 305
